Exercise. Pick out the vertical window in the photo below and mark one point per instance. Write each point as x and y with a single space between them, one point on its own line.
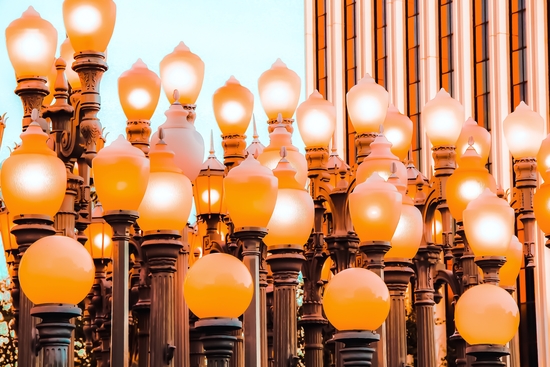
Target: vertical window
350 67
380 54
321 46
413 76
446 45
481 65
518 53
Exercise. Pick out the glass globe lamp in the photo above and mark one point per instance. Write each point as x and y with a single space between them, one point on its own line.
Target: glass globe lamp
218 286
121 173
380 160
510 270
67 53
352 291
367 105
543 159
57 270
408 234
481 141
233 106
316 119
100 234
259 184
279 89
182 70
489 224
89 23
375 209
486 314
398 129
443 119
31 42
138 91
208 187
50 83
541 205
524 131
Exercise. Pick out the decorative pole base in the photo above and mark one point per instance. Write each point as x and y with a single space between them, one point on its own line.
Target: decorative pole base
357 351
217 341
488 355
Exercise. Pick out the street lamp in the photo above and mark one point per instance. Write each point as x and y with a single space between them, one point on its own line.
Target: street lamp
348 294
381 160
218 288
481 138
398 129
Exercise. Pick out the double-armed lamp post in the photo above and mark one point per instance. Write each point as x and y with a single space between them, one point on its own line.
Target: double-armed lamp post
264 216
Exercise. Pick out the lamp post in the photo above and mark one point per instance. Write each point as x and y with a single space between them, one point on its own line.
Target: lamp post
55 287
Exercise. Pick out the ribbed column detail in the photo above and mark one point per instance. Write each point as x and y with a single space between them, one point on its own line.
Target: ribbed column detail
263 315
237 360
425 322
313 340
284 324
182 356
25 332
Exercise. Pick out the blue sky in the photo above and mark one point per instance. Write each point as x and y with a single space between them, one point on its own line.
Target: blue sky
238 37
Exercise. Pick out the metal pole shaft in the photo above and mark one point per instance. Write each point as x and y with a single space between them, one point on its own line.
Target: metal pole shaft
263 314
182 357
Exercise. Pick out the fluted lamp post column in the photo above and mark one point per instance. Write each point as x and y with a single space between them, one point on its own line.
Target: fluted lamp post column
56 273
33 185
164 210
347 295
121 174
250 215
289 228
218 289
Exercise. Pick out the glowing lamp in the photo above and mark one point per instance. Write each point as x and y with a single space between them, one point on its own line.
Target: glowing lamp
481 141
398 129
292 217
543 159
256 207
33 179
408 234
489 224
121 172
524 131
208 187
486 314
50 83
375 209
326 270
67 53
468 182
279 89
139 91
182 70
6 224
218 286
89 23
233 106
100 235
367 105
352 291
270 156
316 120
183 139
510 270
31 42
541 204
56 269
443 118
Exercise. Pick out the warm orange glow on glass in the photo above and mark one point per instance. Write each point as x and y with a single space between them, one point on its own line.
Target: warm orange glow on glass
67 53
398 129
279 89
50 83
489 224
510 270
6 224
326 270
233 106
524 131
486 314
34 180
443 119
352 291
139 91
408 234
99 233
367 105
56 269
31 42
380 161
89 23
218 285
543 159
437 228
121 173
184 71
375 209
292 218
316 120
256 207
541 204
169 196
208 187
482 140
468 182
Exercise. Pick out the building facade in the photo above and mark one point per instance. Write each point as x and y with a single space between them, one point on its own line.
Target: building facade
488 54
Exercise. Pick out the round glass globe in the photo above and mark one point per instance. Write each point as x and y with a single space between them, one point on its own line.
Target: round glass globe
523 131
279 89
541 204
443 119
510 270
486 314
350 293
139 92
56 269
218 285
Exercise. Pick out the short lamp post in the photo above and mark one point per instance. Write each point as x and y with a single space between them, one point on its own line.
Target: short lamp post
218 288
56 273
347 295
288 230
121 174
